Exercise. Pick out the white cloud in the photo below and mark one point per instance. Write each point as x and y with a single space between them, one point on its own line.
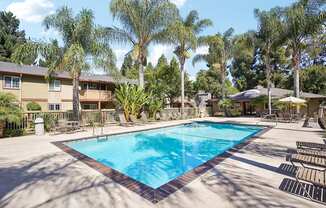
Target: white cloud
50 34
179 3
31 10
120 53
202 50
158 50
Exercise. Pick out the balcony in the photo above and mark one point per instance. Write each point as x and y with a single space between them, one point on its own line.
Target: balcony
95 95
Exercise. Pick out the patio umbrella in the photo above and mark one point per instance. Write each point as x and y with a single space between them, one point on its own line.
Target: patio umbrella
246 95
293 100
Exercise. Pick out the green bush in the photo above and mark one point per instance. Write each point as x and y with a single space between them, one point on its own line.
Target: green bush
131 99
13 132
33 106
49 121
235 112
154 106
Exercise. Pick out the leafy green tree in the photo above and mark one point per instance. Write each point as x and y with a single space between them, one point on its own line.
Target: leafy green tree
10 35
184 35
269 28
314 79
208 81
219 53
154 83
245 75
128 68
142 22
9 110
29 52
301 20
82 40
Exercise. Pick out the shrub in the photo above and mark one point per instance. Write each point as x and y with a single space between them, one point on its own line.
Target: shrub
225 104
33 106
49 121
131 98
13 132
154 106
9 110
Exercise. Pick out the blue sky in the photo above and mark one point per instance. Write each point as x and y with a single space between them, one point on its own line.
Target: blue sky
224 13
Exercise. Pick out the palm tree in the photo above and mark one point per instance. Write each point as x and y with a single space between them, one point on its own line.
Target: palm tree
82 39
143 22
268 35
220 52
184 35
301 20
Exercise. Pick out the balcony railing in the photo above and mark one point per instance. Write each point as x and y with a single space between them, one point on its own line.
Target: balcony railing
95 95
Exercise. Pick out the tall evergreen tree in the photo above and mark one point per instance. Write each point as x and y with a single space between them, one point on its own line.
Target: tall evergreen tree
10 35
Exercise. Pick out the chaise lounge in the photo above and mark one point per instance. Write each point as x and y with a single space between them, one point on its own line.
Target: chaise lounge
311 145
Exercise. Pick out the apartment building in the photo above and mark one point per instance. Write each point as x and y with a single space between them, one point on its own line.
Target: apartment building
29 83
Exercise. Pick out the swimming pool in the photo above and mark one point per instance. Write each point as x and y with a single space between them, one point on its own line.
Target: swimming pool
156 157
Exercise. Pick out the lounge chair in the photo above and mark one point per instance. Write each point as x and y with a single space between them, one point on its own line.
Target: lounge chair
123 121
315 177
311 145
307 160
312 152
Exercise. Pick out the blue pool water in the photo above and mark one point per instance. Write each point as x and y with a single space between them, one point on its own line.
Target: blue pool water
155 157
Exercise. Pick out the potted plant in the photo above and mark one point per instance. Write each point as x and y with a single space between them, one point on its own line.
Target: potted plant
9 110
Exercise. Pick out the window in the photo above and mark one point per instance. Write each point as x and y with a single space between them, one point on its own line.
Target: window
89 106
11 82
55 85
84 86
92 86
54 107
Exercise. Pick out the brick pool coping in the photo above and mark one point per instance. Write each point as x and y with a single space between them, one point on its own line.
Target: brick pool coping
147 192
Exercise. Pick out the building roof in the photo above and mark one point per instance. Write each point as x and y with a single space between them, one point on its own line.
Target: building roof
276 93
8 67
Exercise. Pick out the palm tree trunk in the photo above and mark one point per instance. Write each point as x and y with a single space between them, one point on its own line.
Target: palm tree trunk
223 81
75 96
296 75
269 88
141 76
182 88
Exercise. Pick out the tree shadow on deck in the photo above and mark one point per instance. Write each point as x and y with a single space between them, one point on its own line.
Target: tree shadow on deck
57 181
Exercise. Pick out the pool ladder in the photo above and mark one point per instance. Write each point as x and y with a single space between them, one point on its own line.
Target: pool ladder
94 130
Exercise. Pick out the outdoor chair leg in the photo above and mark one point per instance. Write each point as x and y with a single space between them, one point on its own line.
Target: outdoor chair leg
304 189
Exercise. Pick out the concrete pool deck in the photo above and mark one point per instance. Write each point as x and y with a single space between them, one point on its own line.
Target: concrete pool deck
35 173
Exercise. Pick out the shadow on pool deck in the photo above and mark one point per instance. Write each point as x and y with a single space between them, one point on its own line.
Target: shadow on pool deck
55 181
